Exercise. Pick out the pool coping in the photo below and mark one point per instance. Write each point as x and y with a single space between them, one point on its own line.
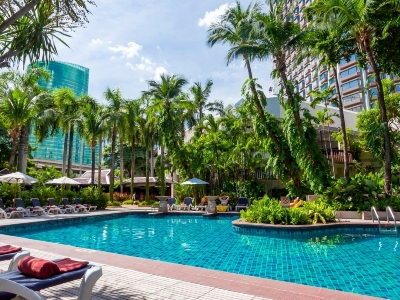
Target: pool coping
256 286
260 287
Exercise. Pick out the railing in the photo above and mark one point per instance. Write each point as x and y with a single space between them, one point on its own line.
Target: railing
375 213
338 155
389 210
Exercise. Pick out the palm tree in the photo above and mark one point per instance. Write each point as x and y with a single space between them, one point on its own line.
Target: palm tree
166 101
65 114
115 115
132 114
331 46
200 96
276 35
356 19
18 103
92 124
236 28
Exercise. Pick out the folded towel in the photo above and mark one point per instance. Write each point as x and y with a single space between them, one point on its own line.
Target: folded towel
9 249
37 267
67 265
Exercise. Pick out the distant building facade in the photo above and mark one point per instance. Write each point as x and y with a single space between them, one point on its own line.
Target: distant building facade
352 79
50 151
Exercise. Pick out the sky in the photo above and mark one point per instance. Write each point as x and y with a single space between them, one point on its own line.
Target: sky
128 42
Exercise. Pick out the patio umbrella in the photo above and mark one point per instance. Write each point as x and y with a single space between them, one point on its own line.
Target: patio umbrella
63 181
194 181
17 177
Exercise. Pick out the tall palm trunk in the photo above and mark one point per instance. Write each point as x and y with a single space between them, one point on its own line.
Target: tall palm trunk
288 160
147 167
70 149
281 66
65 149
14 134
99 162
112 161
343 125
93 148
133 165
161 176
384 118
121 164
23 148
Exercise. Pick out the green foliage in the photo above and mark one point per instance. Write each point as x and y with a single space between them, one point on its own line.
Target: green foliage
114 203
127 202
270 211
352 143
94 196
371 129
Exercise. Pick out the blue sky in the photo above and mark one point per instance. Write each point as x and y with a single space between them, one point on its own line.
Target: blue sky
128 42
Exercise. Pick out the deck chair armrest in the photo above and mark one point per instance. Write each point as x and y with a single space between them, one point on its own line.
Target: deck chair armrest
88 281
18 289
17 257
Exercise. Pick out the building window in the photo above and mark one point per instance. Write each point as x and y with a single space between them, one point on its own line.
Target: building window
302 84
324 86
351 97
348 72
350 84
374 92
323 76
344 61
309 87
397 88
356 108
332 80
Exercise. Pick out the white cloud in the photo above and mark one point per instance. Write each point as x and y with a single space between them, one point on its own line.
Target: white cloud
96 42
127 51
158 72
213 16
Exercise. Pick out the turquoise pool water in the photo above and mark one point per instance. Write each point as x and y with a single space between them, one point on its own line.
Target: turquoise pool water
359 263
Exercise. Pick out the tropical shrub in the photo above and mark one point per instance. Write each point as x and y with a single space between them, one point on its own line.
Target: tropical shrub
128 202
114 203
94 196
270 211
121 196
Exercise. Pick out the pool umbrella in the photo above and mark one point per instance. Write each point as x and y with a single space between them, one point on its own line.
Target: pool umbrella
17 177
194 181
63 181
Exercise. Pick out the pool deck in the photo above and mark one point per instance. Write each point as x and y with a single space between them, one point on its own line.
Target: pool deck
126 277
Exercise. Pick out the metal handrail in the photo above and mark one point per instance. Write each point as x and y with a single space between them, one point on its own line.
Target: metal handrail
389 209
373 211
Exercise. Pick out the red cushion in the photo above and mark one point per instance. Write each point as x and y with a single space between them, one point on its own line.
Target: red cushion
88 205
37 267
67 265
9 249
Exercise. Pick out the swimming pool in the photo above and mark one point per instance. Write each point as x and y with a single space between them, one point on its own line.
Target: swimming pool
364 264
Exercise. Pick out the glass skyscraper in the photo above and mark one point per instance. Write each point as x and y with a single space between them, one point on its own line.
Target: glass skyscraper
76 78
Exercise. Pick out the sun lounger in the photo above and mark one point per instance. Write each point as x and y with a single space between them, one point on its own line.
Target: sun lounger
242 203
9 212
51 206
20 206
36 205
171 203
15 283
8 252
89 207
66 204
187 204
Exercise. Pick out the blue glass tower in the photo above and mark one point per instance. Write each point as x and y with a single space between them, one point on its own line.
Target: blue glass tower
76 78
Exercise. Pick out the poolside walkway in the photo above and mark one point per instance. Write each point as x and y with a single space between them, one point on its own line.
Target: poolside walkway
126 277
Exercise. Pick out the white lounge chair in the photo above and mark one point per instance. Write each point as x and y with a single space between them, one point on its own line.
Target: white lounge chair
9 214
17 286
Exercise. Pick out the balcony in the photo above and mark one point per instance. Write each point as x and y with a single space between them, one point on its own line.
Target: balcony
338 155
